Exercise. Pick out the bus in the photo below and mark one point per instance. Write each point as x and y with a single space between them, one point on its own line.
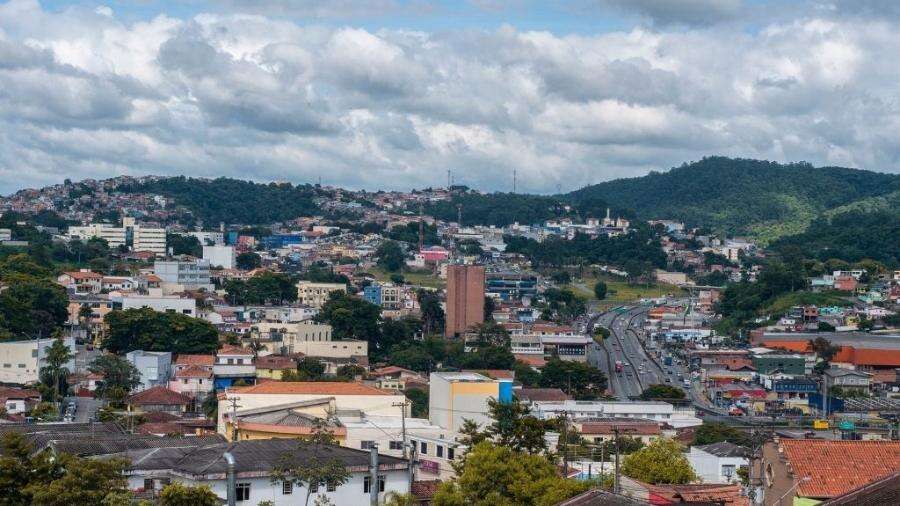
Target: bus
820 424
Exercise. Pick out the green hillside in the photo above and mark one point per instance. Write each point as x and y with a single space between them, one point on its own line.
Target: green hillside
232 200
765 200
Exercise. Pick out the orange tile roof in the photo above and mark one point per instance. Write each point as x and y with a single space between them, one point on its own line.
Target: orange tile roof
83 275
194 371
310 387
191 359
530 359
836 467
229 349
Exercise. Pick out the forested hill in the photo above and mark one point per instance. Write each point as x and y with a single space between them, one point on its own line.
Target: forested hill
232 200
763 199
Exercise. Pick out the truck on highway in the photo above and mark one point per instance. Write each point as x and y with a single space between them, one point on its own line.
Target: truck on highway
619 366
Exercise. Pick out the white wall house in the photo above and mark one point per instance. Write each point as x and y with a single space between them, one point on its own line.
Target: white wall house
650 410
717 462
162 303
219 256
253 463
20 361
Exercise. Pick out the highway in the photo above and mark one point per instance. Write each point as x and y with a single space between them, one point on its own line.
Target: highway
623 345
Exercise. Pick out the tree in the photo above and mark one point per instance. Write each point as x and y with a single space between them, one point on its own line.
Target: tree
146 329
418 400
42 478
716 432
351 317
54 374
526 374
579 380
310 369
30 306
313 465
659 462
390 256
263 288
432 312
176 494
120 376
350 372
184 245
662 392
600 290
515 427
490 333
83 482
248 261
493 475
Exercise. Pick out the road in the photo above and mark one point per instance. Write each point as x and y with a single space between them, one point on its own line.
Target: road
623 345
86 408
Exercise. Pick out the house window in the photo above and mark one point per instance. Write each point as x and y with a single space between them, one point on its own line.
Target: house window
440 451
148 484
424 448
242 492
396 445
367 445
331 487
287 488
728 471
449 453
367 484
313 488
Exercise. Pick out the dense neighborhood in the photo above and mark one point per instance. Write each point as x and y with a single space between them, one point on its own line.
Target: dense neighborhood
376 353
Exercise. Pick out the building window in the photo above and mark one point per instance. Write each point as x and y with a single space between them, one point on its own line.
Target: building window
396 445
148 484
440 451
242 492
424 448
449 453
367 445
287 488
331 487
367 484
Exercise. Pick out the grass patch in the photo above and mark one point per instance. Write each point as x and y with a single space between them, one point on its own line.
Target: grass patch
619 292
828 298
412 277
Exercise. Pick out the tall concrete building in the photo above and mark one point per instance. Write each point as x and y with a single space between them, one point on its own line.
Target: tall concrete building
465 298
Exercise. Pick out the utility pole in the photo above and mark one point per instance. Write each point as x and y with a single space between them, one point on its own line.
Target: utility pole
449 183
402 406
412 465
514 180
373 476
603 458
566 446
234 422
459 215
617 486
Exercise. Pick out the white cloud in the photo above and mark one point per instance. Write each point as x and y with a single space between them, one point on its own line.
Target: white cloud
85 94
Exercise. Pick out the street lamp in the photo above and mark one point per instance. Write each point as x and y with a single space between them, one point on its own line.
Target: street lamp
801 480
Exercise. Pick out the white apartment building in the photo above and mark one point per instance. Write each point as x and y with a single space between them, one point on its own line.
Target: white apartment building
651 410
178 276
130 234
209 238
20 361
161 303
219 256
718 462
315 294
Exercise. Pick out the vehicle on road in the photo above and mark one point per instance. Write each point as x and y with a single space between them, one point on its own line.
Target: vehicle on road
687 384
619 366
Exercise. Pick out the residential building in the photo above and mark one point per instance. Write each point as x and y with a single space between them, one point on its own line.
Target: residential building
718 462
219 256
155 367
159 399
130 235
233 363
193 375
254 461
605 429
316 294
160 303
808 471
346 396
83 281
788 364
179 276
465 298
21 361
651 410
848 380
17 401
457 396
274 366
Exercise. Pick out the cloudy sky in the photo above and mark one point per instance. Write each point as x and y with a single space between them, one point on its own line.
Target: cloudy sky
393 93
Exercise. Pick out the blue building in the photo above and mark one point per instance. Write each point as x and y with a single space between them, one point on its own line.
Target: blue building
280 241
511 286
372 293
